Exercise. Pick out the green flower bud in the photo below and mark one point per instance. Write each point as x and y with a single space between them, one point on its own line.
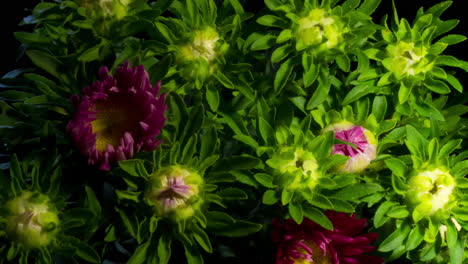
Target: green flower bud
174 192
320 30
407 59
431 193
298 167
31 220
198 55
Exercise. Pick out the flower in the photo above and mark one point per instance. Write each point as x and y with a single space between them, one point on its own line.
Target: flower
198 58
320 30
407 59
311 243
431 192
117 116
173 191
297 165
364 149
31 220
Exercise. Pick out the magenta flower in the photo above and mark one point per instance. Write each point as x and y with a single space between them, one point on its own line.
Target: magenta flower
117 116
311 243
364 149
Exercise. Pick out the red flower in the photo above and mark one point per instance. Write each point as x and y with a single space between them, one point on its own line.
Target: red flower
117 116
311 243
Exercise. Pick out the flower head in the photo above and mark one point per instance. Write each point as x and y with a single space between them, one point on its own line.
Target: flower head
311 243
31 220
407 59
320 30
431 192
297 164
173 192
363 149
197 57
117 116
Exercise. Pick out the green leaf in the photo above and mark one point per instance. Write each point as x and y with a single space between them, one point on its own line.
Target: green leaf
448 148
280 53
403 93
202 238
239 229
357 92
379 108
284 35
369 6
395 239
248 140
380 214
452 39
265 179
243 162
341 206
224 80
286 196
437 86
128 195
356 191
49 64
164 248
397 166
415 237
272 21
159 70
140 254
455 83
266 131
193 255
295 210
320 94
317 216
398 212
134 167
457 252
233 194
130 224
263 42
90 54
343 62
270 197
91 202
282 75
83 250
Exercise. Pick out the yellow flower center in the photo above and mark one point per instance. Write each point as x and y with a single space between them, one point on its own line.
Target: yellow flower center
317 257
114 117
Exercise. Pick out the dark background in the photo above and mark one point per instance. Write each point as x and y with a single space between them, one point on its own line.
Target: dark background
10 18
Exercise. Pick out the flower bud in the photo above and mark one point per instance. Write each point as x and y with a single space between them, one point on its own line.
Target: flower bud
431 192
320 30
297 163
174 192
31 220
363 150
197 57
407 59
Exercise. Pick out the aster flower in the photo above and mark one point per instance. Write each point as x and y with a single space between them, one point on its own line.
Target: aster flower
426 208
311 243
31 220
173 192
117 116
363 150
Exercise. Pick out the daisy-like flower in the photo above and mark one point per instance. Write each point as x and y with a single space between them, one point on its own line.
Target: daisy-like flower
311 243
31 220
117 116
363 150
173 192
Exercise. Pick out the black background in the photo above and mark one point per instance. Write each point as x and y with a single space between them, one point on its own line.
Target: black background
12 16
